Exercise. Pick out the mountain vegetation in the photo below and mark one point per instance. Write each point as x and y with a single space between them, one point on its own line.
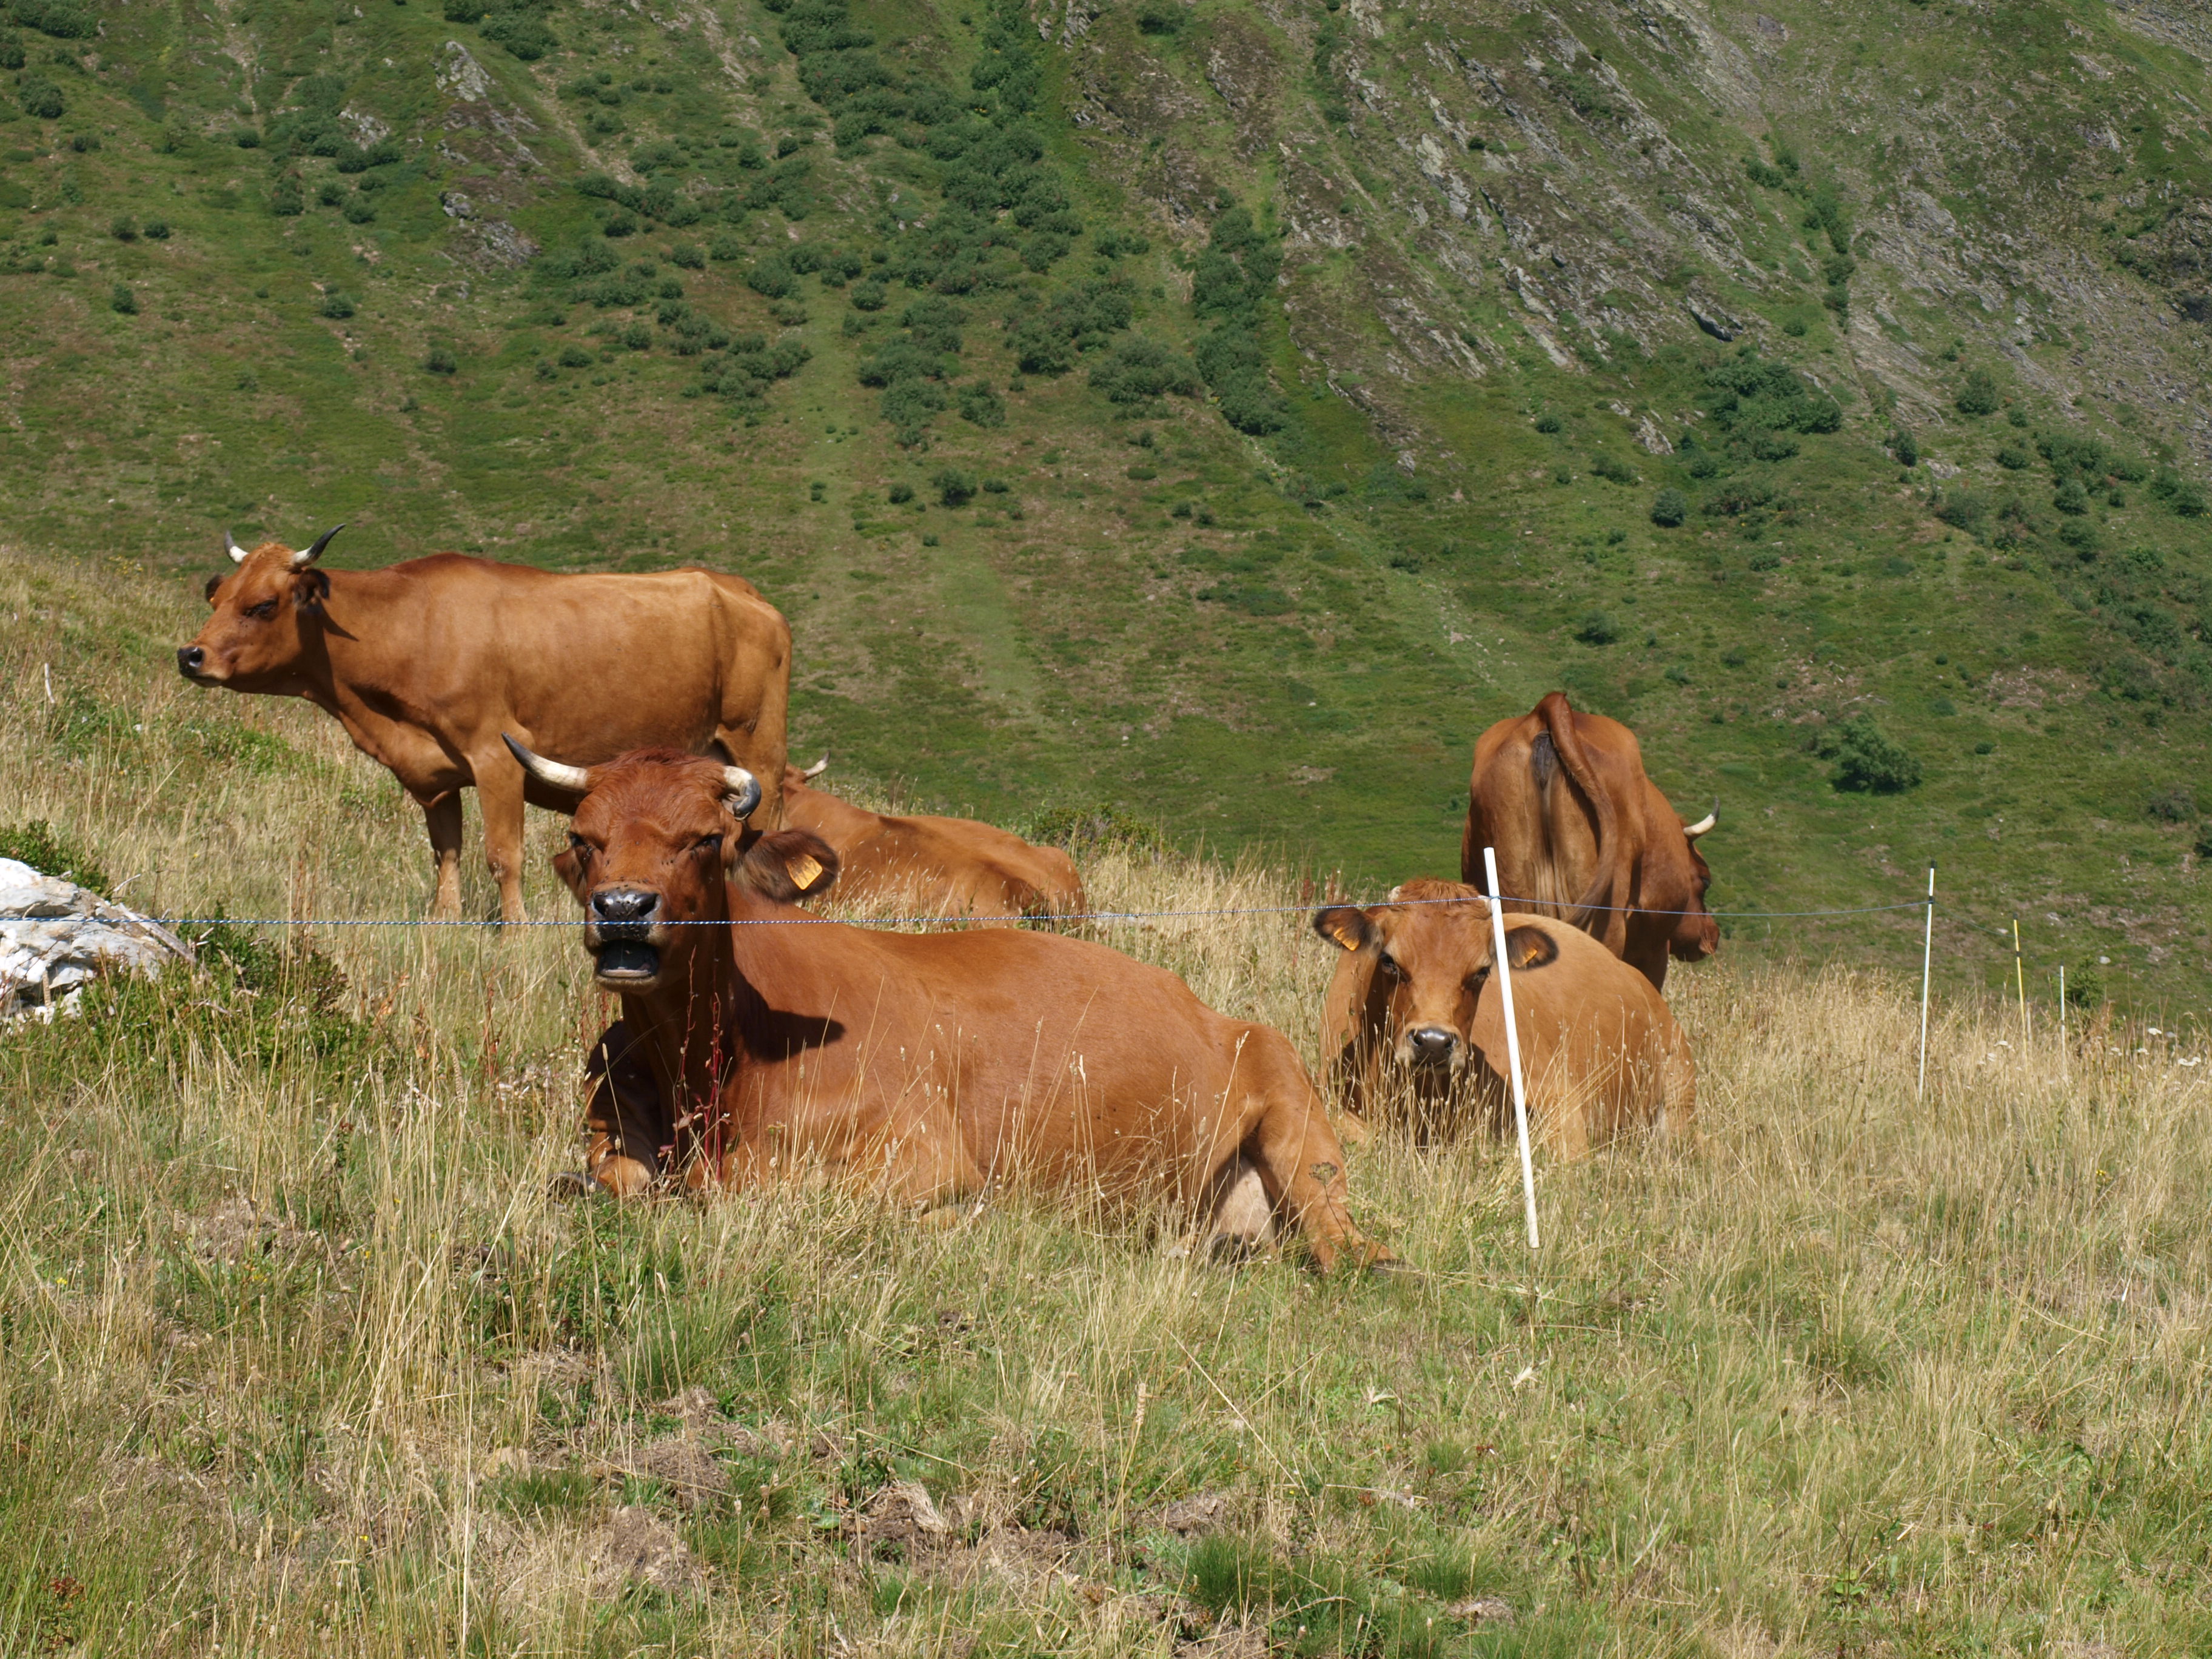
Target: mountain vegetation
1221 413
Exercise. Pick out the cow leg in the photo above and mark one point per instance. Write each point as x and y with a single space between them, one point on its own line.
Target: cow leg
441 816
1298 1158
499 794
629 1124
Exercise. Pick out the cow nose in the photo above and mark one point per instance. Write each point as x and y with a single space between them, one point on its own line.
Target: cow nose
1432 1043
624 907
189 659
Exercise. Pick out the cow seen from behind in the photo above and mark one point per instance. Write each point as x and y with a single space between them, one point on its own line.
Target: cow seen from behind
1582 834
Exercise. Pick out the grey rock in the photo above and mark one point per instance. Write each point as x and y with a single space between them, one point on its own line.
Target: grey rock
459 75
56 938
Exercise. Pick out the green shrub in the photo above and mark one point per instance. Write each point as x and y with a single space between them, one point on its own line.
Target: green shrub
1764 560
1551 421
123 300
285 198
52 852
1095 827
1597 628
1904 447
61 18
980 406
772 277
156 230
1140 371
11 50
1980 394
1964 509
40 98
336 304
440 360
954 487
1612 467
524 35
123 227
1867 759
2176 804
900 494
1669 507
1158 17
2070 497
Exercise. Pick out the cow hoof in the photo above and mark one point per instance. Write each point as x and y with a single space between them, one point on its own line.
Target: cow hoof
571 1183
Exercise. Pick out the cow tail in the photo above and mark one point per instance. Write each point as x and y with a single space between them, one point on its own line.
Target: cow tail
1559 718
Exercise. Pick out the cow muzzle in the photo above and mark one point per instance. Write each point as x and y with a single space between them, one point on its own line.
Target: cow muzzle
1432 1048
622 931
192 664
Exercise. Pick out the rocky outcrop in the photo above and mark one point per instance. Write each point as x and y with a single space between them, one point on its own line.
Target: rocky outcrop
56 938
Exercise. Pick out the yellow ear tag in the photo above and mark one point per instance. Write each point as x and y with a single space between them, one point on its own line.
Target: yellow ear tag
802 870
1343 934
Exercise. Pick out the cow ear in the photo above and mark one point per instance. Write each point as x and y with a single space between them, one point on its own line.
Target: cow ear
310 589
1531 947
1346 927
790 865
213 582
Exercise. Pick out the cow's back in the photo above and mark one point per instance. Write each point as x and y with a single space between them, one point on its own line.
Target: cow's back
1006 1021
1524 800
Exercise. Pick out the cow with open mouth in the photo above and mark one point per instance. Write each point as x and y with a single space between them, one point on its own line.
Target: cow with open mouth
1415 1020
926 1068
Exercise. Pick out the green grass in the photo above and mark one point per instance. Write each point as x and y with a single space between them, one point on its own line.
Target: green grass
298 1357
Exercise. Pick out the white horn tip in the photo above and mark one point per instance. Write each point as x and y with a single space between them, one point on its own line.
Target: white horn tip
1693 830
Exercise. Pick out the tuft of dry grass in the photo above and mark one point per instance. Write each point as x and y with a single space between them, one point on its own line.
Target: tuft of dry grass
301 1357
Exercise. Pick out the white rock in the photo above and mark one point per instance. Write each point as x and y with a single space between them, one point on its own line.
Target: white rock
56 938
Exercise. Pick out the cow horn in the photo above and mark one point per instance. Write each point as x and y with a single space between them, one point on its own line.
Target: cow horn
1693 830
817 768
744 791
570 779
301 560
230 546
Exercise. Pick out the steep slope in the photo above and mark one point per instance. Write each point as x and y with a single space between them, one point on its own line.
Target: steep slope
1223 411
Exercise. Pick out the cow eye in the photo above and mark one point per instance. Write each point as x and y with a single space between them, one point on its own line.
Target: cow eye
265 610
580 846
1388 965
707 844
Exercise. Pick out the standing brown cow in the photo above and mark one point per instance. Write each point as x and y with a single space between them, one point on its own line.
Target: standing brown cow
923 1066
1415 1014
426 662
1583 834
931 866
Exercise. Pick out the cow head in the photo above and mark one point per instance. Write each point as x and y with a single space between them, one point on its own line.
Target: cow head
256 640
1696 935
1433 952
654 843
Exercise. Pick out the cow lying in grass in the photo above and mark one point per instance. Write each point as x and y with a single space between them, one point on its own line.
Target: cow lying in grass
926 1068
932 866
1415 1015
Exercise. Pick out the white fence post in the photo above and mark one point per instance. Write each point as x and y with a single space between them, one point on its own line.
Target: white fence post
1927 958
1512 1037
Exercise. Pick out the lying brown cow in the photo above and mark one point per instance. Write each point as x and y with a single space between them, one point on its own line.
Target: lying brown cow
1415 1014
925 1066
426 662
932 866
1581 833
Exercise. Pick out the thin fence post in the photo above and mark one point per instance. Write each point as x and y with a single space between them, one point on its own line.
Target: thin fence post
2019 980
1512 1037
2063 1078
1927 960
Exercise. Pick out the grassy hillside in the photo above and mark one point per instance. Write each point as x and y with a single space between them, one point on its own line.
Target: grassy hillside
299 1359
1221 412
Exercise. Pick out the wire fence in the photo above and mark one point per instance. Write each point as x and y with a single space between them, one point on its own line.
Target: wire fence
940 920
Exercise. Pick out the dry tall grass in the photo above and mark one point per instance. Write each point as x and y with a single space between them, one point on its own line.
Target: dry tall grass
299 1356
